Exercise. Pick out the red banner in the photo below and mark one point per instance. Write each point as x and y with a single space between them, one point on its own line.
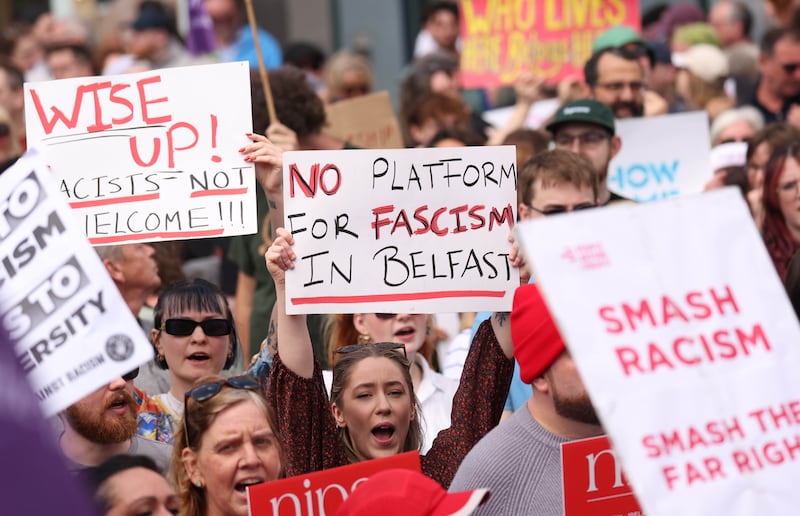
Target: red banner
551 38
594 484
320 493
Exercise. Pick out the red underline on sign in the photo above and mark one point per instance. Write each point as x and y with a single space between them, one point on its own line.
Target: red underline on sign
408 296
166 235
114 200
221 191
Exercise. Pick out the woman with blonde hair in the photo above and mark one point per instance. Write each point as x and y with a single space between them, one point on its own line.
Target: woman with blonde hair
227 441
703 70
347 74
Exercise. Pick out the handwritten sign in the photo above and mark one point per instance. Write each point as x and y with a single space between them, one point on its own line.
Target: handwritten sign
366 121
687 343
594 484
320 493
400 230
149 156
73 332
551 38
661 157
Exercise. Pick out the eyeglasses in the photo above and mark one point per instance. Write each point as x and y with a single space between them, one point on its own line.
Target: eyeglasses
788 186
585 139
131 375
385 317
555 210
618 86
394 346
185 327
207 391
790 68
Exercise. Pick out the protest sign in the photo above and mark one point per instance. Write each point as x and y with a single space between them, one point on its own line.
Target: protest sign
551 38
400 230
72 330
593 481
320 493
366 121
661 157
687 343
27 444
149 156
538 114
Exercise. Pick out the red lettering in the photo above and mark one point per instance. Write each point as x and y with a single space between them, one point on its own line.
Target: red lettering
628 358
134 146
144 101
379 222
116 88
632 315
606 314
507 216
457 211
402 221
171 147
435 223
473 214
422 220
670 310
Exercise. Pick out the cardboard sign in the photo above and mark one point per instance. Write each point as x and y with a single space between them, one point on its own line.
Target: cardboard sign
400 230
367 121
687 343
149 156
661 157
551 38
320 493
594 484
72 330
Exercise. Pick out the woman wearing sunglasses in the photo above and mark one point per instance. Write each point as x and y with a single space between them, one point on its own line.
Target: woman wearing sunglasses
226 441
194 336
434 391
373 410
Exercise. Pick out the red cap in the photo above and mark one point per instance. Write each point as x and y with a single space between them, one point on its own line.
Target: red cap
537 342
404 492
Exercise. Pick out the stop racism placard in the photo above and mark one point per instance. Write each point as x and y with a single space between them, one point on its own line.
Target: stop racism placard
688 345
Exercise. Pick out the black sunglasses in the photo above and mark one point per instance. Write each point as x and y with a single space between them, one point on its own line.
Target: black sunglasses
130 375
790 68
555 210
185 327
385 317
207 391
394 346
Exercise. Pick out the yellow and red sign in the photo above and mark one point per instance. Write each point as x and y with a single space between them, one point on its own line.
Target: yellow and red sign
551 38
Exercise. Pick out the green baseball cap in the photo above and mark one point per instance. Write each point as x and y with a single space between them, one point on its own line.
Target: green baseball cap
617 36
586 111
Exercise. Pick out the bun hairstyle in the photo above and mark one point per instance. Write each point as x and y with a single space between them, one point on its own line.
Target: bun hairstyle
194 295
342 371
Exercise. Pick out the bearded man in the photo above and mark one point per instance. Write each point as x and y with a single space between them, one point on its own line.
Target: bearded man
103 424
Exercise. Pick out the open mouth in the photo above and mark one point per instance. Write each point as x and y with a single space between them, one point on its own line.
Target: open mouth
402 332
199 357
244 484
118 403
384 433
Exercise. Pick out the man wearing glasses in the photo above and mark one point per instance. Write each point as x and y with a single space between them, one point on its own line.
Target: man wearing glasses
586 127
615 77
777 93
103 424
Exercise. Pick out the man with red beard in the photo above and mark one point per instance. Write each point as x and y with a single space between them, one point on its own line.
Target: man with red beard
520 460
103 424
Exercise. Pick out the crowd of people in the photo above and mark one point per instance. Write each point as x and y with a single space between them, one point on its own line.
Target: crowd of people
242 393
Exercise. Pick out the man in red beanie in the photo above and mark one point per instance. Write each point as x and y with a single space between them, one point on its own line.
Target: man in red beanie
520 460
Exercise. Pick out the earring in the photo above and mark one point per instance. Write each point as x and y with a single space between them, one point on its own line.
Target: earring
199 483
161 360
363 338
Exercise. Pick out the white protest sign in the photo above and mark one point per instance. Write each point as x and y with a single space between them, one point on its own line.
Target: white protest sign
687 343
401 230
149 156
661 157
538 114
72 330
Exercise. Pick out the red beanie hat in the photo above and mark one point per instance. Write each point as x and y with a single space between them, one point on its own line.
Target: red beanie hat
537 342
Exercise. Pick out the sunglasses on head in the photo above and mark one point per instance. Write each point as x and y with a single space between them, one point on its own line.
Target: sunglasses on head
394 346
206 391
185 327
131 375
